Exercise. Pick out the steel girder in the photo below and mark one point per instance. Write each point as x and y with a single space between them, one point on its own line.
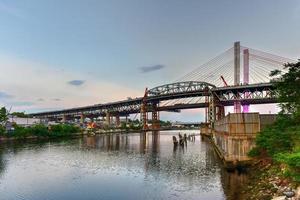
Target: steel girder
180 87
251 94
260 93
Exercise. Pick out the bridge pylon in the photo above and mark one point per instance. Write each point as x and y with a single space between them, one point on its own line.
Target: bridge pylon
155 117
216 110
144 113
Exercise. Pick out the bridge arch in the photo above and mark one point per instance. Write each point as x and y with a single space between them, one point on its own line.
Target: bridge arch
180 87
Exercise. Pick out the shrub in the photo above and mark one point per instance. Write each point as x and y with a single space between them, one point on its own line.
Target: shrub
39 130
281 137
21 132
63 130
291 159
2 130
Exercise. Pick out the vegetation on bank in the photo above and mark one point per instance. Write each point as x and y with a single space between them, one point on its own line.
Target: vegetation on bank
38 130
41 130
280 142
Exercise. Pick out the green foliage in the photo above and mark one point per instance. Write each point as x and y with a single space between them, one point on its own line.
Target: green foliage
284 135
63 130
289 90
21 132
3 115
292 159
254 152
19 114
41 130
281 141
276 138
38 130
165 123
2 130
124 126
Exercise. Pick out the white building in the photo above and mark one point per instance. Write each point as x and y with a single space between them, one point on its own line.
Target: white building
23 121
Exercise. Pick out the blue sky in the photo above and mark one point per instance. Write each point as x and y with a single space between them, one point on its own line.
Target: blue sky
67 53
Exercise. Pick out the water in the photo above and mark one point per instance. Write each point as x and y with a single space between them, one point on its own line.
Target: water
132 166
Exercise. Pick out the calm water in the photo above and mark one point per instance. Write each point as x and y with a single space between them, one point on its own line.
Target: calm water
133 166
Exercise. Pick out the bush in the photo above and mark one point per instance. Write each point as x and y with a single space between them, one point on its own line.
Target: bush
282 136
21 132
2 130
63 130
291 159
39 130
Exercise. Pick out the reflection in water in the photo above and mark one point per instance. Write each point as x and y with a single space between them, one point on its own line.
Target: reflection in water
2 162
119 166
232 183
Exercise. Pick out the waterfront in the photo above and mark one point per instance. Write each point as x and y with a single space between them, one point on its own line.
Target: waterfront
119 166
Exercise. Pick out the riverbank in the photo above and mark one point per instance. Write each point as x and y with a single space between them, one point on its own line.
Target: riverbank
28 136
267 181
111 131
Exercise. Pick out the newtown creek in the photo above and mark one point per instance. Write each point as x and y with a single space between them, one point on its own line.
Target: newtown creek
117 166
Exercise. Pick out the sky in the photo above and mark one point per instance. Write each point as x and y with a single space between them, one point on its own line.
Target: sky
66 53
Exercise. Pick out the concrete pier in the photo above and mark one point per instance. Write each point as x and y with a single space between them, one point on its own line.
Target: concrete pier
234 136
108 118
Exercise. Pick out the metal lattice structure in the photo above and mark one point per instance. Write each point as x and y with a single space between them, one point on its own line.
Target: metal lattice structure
252 93
201 88
180 87
263 93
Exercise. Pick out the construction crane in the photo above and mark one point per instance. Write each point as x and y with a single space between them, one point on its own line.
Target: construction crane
225 83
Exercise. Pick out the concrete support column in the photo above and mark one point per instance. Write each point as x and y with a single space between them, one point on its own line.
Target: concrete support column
107 118
237 49
246 75
118 123
81 118
155 118
64 119
237 60
144 116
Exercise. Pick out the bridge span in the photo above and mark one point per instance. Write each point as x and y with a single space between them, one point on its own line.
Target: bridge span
246 94
255 88
232 135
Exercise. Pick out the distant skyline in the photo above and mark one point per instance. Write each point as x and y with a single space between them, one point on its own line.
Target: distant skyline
65 53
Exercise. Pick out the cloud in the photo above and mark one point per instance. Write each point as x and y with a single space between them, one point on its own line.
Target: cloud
4 95
56 99
36 86
76 82
147 69
40 99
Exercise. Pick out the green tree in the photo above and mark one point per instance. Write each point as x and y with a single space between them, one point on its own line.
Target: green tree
19 114
3 115
288 88
281 141
2 130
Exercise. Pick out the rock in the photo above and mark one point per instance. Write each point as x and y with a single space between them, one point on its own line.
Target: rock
265 196
284 182
274 190
279 198
297 195
289 194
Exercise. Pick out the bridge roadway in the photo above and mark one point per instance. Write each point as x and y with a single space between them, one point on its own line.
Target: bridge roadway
248 94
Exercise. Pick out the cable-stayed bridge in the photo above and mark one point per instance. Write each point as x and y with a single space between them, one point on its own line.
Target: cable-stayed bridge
237 77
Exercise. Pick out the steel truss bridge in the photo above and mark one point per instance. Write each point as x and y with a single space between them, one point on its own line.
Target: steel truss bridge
246 94
200 88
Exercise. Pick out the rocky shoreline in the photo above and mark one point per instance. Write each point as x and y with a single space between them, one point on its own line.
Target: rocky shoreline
266 182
